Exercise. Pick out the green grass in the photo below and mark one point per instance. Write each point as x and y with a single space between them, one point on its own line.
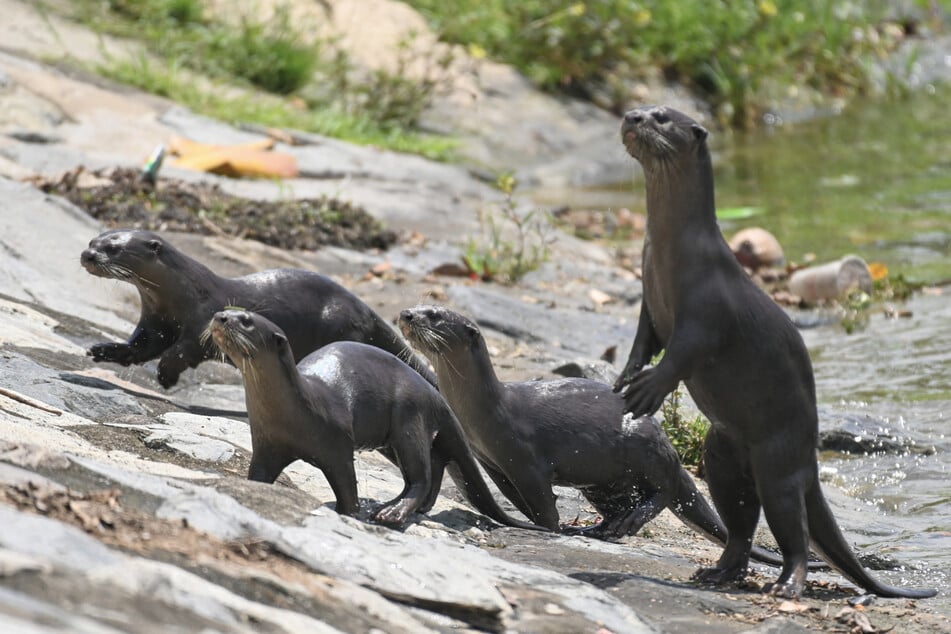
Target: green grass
228 104
731 51
307 84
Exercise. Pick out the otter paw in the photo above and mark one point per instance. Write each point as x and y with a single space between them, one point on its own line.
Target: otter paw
631 370
786 590
166 377
719 576
119 353
595 531
644 395
393 515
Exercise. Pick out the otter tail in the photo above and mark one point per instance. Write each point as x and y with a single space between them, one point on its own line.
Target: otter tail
464 471
829 542
694 511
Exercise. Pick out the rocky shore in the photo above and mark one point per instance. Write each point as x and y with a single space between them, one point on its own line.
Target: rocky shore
125 507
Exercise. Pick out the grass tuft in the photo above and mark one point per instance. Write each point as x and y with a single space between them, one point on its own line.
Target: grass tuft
212 67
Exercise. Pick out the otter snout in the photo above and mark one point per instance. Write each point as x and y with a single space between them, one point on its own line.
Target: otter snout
407 316
633 117
92 260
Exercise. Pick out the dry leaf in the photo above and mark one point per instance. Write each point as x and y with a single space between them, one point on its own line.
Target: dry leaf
793 607
600 298
381 268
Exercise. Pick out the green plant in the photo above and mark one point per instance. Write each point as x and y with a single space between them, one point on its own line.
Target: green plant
734 51
685 434
228 104
394 98
497 255
212 65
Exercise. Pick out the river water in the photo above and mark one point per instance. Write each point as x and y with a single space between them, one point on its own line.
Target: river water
875 181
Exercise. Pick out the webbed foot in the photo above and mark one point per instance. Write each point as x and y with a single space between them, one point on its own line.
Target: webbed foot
120 353
645 393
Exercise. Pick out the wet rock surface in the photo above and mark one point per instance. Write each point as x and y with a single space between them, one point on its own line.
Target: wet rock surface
125 507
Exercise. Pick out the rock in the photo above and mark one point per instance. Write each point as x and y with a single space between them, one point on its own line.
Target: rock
44 385
26 256
755 247
585 369
407 190
590 333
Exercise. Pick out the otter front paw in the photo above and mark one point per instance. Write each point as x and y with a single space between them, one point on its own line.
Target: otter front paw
120 353
645 393
167 378
627 374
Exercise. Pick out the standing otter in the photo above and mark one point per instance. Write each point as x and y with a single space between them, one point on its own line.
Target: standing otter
179 295
345 397
530 435
741 358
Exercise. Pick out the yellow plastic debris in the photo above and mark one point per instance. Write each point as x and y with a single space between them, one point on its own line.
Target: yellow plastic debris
245 159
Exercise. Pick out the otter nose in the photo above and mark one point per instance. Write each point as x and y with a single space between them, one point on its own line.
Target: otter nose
406 315
221 318
88 255
634 116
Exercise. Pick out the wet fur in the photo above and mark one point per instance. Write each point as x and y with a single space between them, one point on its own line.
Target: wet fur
531 435
179 295
740 357
343 398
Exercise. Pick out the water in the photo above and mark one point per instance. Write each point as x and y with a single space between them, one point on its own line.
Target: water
875 181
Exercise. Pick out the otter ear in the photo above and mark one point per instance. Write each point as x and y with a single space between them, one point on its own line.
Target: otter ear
472 332
280 340
699 132
155 246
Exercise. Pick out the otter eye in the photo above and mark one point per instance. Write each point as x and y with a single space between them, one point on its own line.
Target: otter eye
660 117
432 315
245 320
110 249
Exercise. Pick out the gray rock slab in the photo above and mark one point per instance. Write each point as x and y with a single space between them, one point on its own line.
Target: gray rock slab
386 561
41 238
25 614
588 334
205 438
98 567
45 384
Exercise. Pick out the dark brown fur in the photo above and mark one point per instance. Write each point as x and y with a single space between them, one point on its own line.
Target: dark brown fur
573 432
179 295
343 398
740 357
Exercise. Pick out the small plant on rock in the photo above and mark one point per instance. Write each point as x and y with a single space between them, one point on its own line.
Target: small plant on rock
686 434
513 242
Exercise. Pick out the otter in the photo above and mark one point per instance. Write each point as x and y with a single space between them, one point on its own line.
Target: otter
347 396
572 432
741 358
179 295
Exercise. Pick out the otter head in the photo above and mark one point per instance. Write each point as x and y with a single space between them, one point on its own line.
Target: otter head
124 254
436 331
245 337
661 136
